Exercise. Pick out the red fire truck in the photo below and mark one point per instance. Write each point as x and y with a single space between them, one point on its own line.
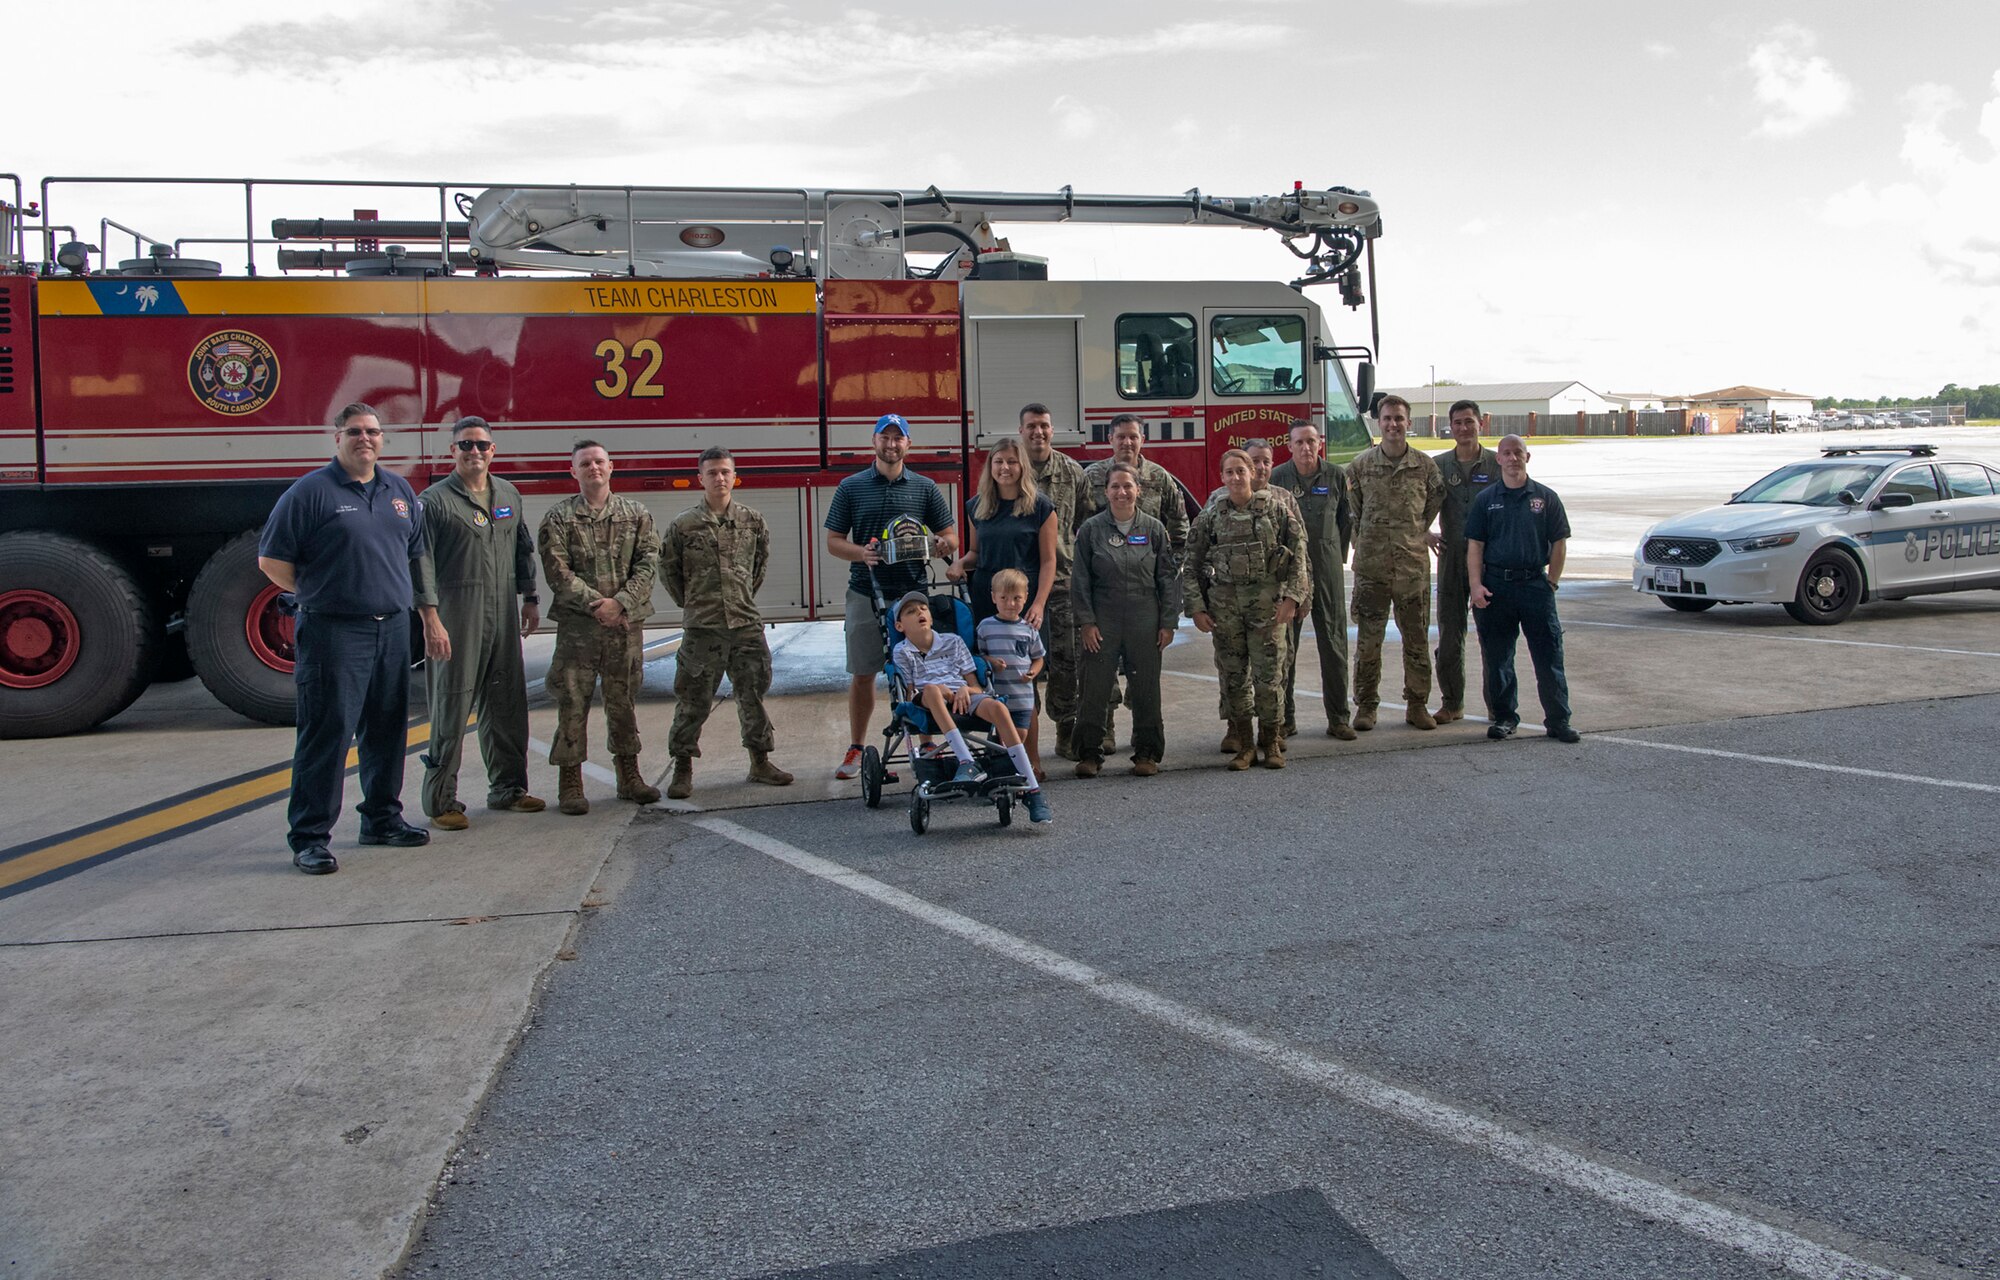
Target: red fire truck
152 409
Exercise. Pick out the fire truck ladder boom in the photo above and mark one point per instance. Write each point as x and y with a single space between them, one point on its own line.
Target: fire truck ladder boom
864 234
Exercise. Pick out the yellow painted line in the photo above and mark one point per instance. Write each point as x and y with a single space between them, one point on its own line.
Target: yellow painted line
149 825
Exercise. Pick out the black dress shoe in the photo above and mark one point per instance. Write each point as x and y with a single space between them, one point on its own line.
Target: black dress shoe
314 860
401 836
1563 733
1500 730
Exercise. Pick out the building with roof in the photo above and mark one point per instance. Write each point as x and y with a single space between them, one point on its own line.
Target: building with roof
1639 401
1786 404
1544 398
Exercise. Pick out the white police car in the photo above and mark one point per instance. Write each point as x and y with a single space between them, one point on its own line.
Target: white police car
1861 522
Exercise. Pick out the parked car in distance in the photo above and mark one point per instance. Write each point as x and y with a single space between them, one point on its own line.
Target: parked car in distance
1823 535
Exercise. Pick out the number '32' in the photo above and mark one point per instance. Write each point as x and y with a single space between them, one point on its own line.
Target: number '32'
645 355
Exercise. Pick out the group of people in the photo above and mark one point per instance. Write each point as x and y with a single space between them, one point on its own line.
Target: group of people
356 549
1078 577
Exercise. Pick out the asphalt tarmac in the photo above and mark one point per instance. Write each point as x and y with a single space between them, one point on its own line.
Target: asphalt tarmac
1718 999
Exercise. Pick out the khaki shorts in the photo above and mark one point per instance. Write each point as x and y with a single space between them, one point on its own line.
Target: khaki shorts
866 655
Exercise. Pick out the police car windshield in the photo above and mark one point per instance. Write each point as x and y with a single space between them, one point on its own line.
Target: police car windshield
1813 484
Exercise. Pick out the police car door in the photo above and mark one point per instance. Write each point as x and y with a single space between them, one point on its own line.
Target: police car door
1969 531
1904 539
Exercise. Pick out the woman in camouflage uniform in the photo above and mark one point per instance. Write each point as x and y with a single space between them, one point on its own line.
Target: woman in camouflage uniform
1244 576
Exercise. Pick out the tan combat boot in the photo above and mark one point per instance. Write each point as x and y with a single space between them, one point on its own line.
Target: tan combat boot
1271 746
1231 744
683 784
1417 714
1246 748
632 784
569 790
762 770
1364 716
1342 730
1445 715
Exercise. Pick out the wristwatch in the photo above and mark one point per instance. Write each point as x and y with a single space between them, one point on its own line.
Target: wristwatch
530 598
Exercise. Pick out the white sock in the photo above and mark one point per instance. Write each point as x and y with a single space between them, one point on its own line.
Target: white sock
1018 753
956 741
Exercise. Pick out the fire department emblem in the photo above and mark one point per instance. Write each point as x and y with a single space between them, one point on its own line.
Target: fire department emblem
233 372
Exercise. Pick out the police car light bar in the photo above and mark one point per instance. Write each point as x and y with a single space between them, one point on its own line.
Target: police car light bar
1848 450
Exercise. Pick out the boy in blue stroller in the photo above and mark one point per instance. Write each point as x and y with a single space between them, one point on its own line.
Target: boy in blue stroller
938 672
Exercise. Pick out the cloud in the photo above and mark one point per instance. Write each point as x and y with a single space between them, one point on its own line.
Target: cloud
1660 50
1075 121
1944 207
1476 227
1798 89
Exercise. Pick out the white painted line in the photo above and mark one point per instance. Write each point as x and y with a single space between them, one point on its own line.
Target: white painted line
1779 635
1789 763
1516 1144
591 769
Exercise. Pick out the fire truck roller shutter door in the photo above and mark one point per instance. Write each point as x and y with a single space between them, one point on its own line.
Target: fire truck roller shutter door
77 636
240 644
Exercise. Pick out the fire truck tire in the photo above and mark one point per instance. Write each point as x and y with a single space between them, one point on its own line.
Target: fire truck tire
240 644
76 636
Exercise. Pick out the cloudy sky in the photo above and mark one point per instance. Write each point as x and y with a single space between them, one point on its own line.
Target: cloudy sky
1666 197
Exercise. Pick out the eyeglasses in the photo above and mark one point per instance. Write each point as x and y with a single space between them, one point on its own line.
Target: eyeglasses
355 433
467 446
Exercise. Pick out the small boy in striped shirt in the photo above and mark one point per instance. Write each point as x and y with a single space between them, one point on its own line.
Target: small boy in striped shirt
1015 652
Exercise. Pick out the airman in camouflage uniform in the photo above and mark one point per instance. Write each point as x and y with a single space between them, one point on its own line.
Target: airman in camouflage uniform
712 563
600 556
1396 493
1159 497
1244 575
1060 477
1322 494
1466 469
1260 455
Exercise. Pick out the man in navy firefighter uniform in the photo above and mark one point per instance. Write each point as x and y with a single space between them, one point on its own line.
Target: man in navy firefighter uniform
1515 536
345 539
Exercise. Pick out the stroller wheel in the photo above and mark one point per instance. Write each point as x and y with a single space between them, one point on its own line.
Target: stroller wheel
871 777
1003 801
920 814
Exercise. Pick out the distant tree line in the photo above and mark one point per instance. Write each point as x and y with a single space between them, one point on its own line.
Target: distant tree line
1979 402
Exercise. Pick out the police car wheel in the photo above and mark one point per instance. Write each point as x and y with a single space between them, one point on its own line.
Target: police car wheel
871 777
76 636
241 646
1828 589
1688 604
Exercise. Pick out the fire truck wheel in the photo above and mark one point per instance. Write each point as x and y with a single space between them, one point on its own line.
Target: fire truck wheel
240 642
76 636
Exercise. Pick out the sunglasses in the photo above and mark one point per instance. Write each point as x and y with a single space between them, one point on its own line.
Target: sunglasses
467 446
356 433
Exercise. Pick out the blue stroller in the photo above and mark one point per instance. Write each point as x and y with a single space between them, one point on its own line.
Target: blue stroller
908 719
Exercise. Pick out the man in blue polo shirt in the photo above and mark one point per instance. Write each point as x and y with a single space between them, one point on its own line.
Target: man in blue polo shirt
343 539
861 509
1516 536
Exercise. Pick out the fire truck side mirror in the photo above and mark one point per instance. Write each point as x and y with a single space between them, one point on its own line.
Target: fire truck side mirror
1364 385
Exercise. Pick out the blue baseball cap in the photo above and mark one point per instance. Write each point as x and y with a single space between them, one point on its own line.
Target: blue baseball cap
892 420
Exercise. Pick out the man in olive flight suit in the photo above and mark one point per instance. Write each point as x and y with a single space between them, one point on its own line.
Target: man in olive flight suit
1321 490
1396 493
712 563
480 560
1466 468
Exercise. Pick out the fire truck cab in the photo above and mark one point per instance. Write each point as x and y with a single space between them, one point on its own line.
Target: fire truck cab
153 409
